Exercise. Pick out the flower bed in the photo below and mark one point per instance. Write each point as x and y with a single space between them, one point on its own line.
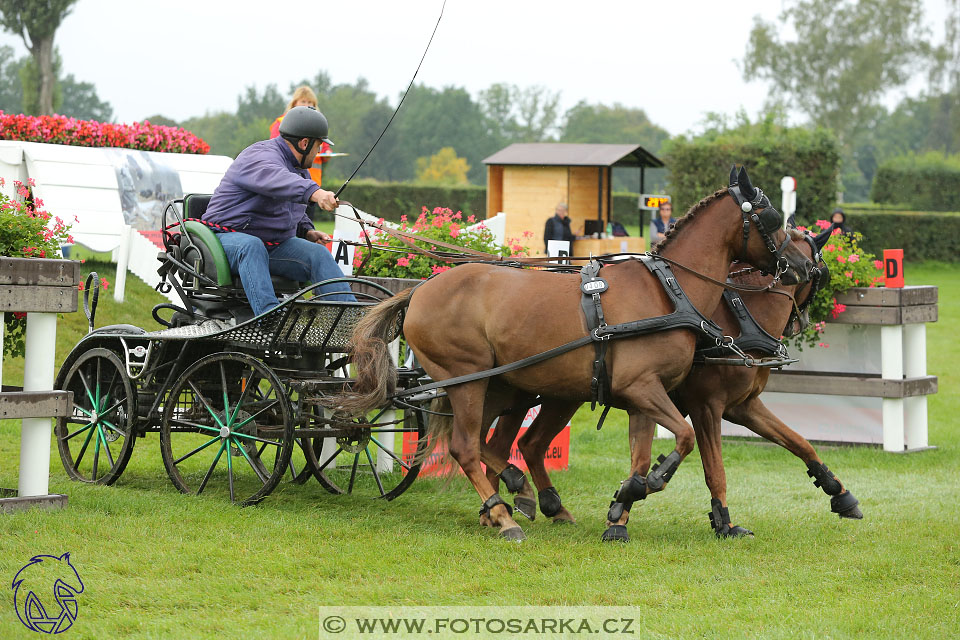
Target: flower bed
396 260
850 266
90 133
26 231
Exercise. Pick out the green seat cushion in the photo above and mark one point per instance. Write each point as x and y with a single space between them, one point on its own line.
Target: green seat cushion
215 259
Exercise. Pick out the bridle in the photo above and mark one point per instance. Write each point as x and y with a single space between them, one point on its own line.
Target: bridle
819 277
759 212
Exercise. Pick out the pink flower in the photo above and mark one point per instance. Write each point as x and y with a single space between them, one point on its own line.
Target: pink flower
830 247
471 218
438 222
104 283
801 228
403 218
848 274
403 262
853 258
841 259
878 264
437 269
836 232
454 230
823 224
823 344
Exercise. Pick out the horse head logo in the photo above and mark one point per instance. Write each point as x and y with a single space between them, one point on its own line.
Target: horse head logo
51 580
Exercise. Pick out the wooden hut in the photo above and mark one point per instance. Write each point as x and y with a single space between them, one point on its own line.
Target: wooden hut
527 181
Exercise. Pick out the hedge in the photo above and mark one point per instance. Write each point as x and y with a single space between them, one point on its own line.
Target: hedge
923 235
928 182
700 165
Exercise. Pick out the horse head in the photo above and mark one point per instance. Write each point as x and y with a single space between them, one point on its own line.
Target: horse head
804 295
765 243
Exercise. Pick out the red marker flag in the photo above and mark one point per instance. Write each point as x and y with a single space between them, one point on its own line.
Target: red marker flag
893 268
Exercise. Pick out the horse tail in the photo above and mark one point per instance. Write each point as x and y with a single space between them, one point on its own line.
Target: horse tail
376 372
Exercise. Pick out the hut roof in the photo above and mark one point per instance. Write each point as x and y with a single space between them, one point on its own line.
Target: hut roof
575 155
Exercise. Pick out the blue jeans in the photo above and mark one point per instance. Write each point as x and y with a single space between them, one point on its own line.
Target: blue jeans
296 259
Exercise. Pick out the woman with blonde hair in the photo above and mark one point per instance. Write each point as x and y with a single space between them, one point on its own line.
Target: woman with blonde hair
304 97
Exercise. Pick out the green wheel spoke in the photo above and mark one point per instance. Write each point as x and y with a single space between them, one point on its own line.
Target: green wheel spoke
251 418
243 395
97 402
116 405
180 422
247 436
106 445
256 470
205 403
230 467
96 454
88 413
353 472
373 467
213 466
86 386
226 401
390 453
113 427
79 431
330 459
83 449
197 450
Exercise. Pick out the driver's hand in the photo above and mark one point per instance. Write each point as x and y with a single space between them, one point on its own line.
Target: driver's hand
326 199
315 235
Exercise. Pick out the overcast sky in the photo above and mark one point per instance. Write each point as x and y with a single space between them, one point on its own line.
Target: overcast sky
675 59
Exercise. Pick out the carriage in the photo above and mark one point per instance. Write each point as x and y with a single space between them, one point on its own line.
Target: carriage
238 400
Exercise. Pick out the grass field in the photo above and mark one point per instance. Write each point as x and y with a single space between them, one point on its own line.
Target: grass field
157 564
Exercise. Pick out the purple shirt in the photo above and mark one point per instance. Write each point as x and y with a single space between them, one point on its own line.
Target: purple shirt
264 193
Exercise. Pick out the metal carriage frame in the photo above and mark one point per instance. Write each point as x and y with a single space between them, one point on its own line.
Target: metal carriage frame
239 406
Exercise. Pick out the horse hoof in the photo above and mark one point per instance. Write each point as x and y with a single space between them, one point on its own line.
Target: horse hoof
514 534
526 506
735 532
846 506
853 513
616 533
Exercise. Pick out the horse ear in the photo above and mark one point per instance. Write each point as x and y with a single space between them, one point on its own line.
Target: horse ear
821 240
65 556
745 187
733 175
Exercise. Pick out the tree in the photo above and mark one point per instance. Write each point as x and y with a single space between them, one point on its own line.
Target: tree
36 22
443 168
80 100
846 55
11 89
252 105
512 114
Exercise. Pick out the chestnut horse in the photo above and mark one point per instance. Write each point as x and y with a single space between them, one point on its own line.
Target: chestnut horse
708 392
478 316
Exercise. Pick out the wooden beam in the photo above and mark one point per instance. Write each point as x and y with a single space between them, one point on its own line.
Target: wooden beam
883 297
819 383
38 298
42 272
887 315
15 405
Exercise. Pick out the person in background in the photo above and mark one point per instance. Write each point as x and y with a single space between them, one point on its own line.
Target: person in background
304 97
661 223
558 226
838 220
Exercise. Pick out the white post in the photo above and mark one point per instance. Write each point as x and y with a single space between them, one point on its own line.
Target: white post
123 262
915 366
387 440
2 326
891 368
39 358
788 189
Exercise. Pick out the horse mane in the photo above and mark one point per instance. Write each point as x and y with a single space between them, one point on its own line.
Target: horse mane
685 220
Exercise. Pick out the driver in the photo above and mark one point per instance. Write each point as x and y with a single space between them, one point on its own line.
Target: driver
259 212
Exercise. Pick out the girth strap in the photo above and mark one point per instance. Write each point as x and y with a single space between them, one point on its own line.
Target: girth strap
591 285
752 336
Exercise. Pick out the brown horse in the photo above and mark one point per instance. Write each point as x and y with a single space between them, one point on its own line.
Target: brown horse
477 316
708 392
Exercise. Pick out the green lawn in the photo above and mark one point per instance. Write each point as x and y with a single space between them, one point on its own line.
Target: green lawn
157 564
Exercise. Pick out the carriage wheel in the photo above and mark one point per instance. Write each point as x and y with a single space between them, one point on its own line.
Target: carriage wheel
227 429
97 438
358 463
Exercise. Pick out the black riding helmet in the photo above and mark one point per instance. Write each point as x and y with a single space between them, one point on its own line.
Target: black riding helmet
304 122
